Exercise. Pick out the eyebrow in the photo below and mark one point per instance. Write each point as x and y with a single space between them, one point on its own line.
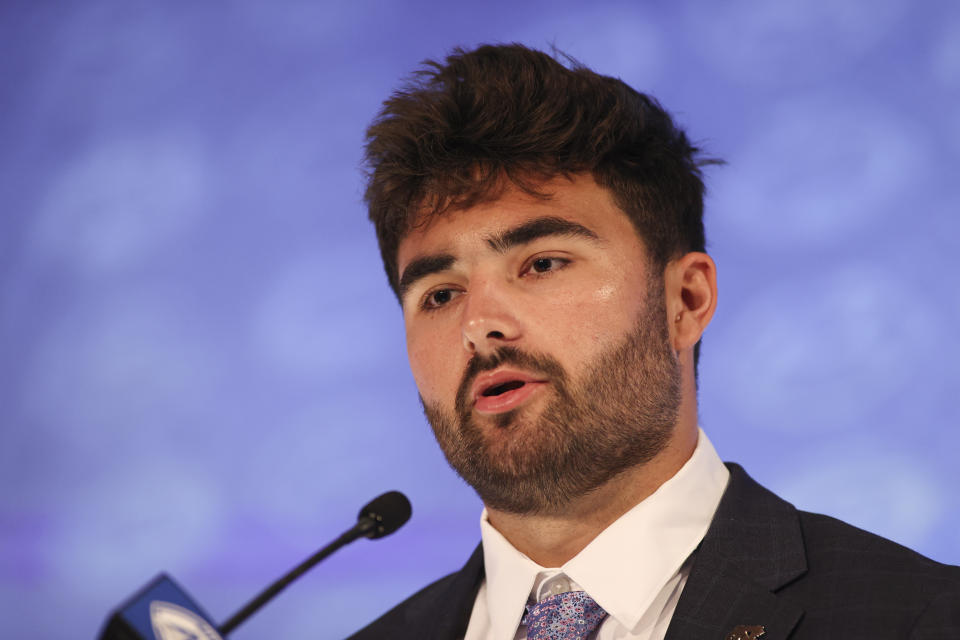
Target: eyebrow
525 233
422 267
536 229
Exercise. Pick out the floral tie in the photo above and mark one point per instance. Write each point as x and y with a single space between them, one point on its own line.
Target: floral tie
572 615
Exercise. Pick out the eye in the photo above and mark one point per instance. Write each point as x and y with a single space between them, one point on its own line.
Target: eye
438 298
547 264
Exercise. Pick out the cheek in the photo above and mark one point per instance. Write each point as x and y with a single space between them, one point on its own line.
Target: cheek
593 317
604 293
622 296
420 366
432 363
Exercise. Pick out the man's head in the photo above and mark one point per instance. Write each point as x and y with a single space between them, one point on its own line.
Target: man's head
541 227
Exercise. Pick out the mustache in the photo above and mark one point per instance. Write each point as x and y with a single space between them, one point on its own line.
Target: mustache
536 363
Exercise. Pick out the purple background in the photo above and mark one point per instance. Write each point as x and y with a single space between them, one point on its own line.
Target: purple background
202 367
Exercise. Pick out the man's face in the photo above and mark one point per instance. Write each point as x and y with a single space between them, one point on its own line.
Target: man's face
538 339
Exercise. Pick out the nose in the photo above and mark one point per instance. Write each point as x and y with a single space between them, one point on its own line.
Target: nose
489 318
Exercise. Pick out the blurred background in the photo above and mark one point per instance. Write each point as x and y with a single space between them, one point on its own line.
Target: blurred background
202 369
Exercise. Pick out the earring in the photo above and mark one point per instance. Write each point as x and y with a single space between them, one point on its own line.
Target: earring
677 319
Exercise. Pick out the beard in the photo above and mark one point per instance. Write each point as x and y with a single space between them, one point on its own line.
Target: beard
620 413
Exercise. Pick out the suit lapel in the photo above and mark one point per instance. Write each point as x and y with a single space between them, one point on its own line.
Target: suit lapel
446 616
753 548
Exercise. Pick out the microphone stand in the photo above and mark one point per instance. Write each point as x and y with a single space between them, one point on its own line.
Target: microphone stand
363 527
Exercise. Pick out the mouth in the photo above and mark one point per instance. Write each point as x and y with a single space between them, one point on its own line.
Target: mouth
503 390
499 389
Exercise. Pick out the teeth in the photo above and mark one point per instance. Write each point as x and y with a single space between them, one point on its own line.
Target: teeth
503 388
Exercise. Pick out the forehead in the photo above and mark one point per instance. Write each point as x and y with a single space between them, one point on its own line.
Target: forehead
578 199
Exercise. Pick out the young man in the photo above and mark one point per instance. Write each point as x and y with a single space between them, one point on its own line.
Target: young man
542 228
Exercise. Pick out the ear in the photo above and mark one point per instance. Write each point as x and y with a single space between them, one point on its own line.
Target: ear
691 297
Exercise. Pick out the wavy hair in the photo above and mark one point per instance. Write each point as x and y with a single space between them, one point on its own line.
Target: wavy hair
458 132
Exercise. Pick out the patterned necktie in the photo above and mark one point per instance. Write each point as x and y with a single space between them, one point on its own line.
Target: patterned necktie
572 615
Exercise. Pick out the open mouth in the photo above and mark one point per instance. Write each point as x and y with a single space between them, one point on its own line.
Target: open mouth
504 390
498 389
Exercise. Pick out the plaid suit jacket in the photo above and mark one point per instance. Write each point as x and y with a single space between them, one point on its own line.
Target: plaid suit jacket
762 563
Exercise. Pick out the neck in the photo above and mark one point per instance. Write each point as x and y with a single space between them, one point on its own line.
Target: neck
552 539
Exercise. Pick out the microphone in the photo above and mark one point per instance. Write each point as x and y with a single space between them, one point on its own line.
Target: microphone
380 517
162 610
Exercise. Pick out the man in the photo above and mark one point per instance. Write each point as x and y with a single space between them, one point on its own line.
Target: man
542 228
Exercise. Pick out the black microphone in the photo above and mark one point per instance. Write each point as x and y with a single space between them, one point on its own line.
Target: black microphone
162 610
381 517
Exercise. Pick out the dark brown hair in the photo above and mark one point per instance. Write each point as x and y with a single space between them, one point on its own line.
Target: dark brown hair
458 133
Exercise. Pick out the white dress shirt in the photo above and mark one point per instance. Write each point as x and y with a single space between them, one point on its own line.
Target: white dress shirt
635 568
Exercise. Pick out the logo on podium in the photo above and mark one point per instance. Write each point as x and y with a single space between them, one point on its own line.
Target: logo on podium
173 622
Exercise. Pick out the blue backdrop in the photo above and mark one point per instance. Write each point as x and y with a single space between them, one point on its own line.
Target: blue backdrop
203 369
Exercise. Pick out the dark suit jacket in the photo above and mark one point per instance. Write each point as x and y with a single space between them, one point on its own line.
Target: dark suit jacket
762 562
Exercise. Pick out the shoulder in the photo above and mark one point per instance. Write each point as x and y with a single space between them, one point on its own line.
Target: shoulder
848 582
853 561
750 515
439 610
858 582
833 543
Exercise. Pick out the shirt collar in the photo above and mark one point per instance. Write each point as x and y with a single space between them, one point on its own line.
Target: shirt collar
510 576
628 563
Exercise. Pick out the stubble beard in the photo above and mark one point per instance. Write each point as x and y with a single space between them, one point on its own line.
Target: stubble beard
619 414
